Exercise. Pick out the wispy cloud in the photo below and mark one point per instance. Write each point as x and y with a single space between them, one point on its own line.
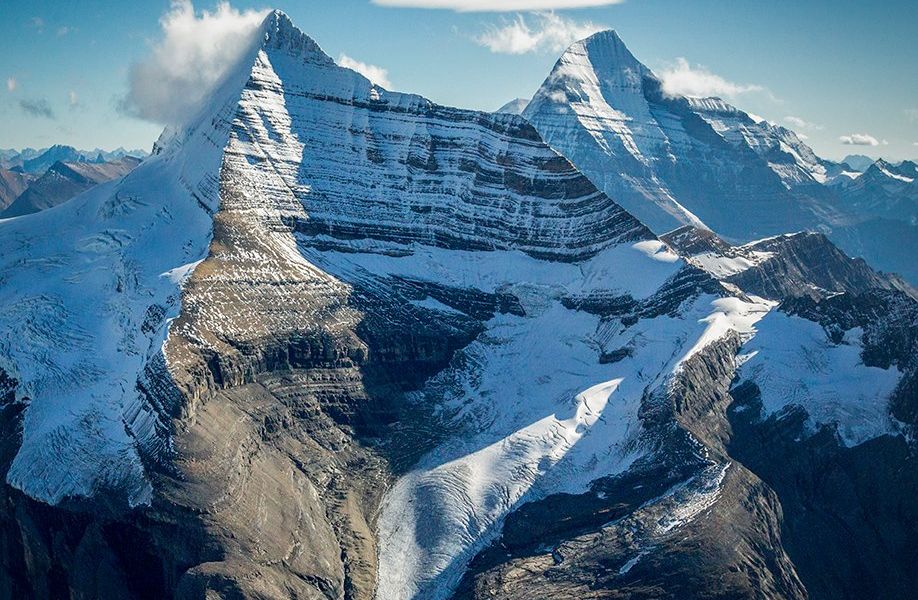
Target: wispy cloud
539 32
38 107
374 73
911 114
64 30
495 5
799 123
38 23
72 99
11 84
861 139
193 54
684 79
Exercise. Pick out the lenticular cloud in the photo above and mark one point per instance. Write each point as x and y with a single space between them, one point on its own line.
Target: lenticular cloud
193 55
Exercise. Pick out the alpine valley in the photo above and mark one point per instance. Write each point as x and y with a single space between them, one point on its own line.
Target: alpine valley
331 341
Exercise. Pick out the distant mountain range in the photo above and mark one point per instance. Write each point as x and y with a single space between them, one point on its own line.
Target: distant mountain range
858 162
62 181
37 162
33 180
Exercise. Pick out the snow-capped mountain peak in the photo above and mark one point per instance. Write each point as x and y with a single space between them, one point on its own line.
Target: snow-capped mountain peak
672 160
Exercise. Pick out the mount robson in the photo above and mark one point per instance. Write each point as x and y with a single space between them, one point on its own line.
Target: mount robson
331 341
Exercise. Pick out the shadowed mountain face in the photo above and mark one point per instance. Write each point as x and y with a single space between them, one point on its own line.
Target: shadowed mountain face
12 184
332 341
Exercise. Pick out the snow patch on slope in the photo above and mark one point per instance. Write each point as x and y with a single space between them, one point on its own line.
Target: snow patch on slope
793 362
721 266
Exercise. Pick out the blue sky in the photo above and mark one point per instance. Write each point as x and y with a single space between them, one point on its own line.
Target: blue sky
831 70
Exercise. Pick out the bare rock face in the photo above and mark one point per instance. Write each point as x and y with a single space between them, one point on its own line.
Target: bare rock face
784 266
332 341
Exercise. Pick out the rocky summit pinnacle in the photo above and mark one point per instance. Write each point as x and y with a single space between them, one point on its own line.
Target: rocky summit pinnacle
281 34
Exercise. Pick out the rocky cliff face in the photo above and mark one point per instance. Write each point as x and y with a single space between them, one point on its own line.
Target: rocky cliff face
333 341
784 266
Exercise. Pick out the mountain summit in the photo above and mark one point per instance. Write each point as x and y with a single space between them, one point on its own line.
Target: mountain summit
673 160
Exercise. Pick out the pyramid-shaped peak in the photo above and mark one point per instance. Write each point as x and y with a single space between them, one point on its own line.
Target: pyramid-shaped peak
607 52
281 34
608 37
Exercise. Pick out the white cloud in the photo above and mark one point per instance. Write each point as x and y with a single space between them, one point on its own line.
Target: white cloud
38 23
683 79
801 123
72 99
802 136
11 84
495 5
377 75
860 139
193 55
544 31
62 31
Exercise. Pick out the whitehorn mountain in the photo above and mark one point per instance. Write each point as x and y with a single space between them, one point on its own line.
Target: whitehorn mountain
672 160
